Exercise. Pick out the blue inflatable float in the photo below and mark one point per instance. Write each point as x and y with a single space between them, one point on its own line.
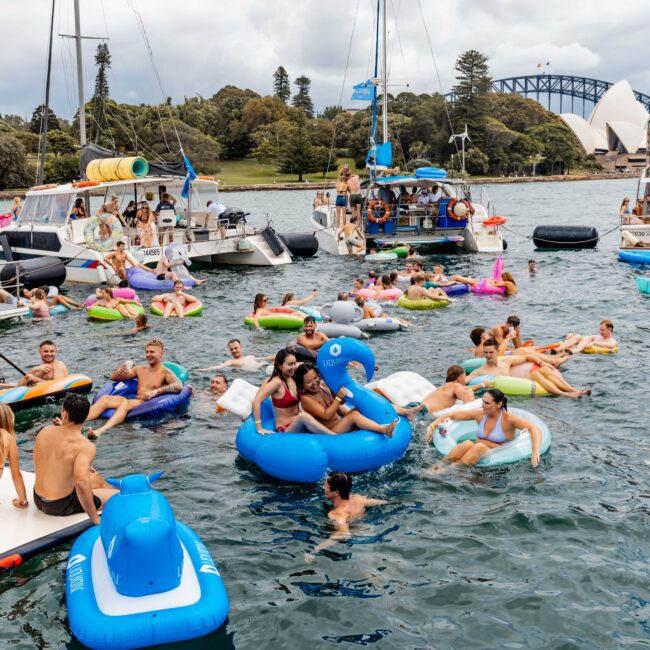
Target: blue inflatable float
306 457
152 408
140 279
635 256
430 172
643 284
520 448
141 578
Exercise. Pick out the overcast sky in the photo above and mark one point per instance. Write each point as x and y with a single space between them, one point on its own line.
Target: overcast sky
201 45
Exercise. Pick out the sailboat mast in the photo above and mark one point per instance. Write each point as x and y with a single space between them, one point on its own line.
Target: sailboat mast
80 79
46 110
384 75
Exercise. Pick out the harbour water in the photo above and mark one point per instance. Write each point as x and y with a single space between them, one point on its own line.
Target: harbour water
555 557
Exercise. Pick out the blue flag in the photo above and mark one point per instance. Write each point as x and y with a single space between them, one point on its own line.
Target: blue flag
189 177
363 91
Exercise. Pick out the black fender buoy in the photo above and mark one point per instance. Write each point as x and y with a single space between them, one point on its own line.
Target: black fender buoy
565 237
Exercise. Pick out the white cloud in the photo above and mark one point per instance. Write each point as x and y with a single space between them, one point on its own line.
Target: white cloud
201 46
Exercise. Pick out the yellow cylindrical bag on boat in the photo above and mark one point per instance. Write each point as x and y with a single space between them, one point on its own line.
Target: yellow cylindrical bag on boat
117 169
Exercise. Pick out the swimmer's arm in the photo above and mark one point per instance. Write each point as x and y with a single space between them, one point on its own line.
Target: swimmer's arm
535 435
466 393
60 370
265 390
225 364
458 415
313 407
121 374
190 299
82 486
374 502
341 533
172 384
16 475
303 301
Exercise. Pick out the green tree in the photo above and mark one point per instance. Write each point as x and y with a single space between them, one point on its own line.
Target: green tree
15 122
330 112
298 155
100 94
37 118
234 139
302 99
471 104
516 112
62 169
13 163
476 162
559 146
60 142
281 85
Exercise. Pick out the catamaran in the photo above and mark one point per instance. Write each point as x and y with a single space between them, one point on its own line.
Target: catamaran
47 225
389 214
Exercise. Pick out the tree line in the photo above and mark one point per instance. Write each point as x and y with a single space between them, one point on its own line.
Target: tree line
508 133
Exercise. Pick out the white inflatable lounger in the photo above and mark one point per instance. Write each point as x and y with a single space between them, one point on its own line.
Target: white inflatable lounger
25 533
238 399
403 388
474 405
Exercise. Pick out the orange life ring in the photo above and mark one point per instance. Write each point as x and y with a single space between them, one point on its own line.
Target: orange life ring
36 188
495 221
375 203
528 344
206 178
85 184
450 210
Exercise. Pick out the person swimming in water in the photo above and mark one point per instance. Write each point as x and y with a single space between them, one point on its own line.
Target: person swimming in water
239 359
347 509
546 376
495 427
507 282
605 340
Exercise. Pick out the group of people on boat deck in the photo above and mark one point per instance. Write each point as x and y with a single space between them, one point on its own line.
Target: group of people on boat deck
641 211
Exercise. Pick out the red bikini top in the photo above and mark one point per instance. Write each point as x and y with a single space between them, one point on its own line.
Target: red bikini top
287 400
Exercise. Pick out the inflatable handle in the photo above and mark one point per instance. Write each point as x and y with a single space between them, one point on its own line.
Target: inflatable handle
333 359
498 269
325 311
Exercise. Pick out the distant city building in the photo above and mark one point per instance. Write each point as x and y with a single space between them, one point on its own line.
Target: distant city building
618 123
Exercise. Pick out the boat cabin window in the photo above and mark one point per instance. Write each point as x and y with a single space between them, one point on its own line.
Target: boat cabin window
47 208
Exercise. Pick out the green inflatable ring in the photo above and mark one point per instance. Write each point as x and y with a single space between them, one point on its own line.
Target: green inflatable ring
99 313
178 370
422 304
276 322
400 251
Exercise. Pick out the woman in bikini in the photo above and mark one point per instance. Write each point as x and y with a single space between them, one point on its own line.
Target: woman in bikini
316 399
124 307
38 305
507 282
495 426
9 452
281 388
260 304
144 226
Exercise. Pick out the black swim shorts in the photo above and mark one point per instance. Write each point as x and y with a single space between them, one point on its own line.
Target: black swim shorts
64 506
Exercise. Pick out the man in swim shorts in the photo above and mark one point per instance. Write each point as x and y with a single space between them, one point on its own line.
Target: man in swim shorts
66 483
544 374
347 509
239 359
153 379
604 340
356 200
454 389
353 236
118 258
176 302
51 368
310 338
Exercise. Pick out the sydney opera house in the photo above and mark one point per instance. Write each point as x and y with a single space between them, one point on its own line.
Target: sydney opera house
618 124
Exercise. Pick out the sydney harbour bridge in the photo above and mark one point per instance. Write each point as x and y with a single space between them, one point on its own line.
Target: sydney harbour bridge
580 93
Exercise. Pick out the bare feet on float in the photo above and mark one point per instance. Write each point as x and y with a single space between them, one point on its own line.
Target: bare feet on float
389 429
198 283
93 435
578 393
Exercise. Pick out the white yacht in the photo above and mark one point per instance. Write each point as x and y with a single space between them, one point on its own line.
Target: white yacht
636 236
46 228
417 225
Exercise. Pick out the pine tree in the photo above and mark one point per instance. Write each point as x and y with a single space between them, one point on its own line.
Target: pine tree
302 99
100 95
35 124
281 85
471 105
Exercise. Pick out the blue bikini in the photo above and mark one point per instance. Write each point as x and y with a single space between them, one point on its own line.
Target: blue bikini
497 434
